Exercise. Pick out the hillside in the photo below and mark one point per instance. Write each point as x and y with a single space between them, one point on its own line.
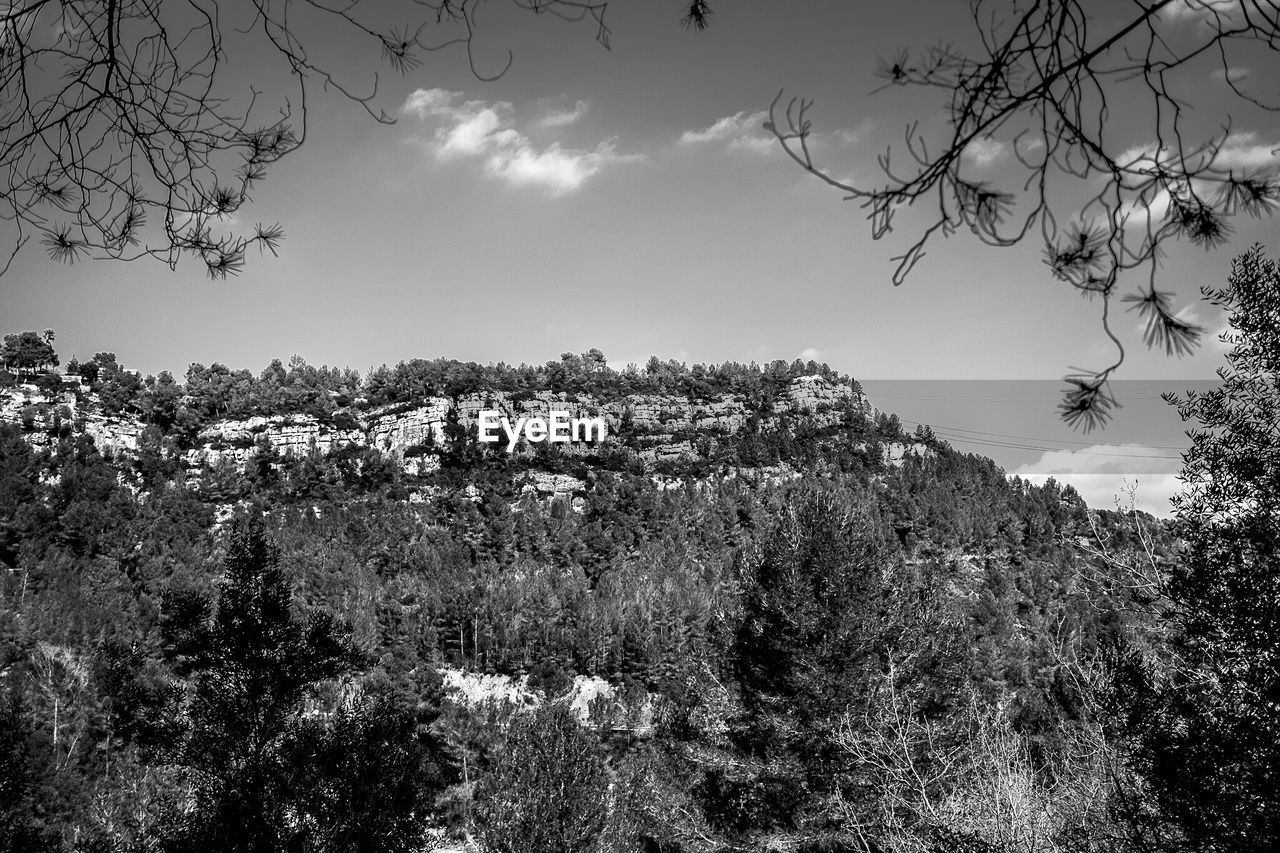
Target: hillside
219 586
793 413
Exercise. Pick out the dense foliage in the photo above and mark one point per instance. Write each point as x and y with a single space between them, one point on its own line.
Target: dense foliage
810 649
217 391
1212 734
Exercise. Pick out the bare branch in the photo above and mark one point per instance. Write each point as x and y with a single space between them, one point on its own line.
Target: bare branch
123 134
1040 90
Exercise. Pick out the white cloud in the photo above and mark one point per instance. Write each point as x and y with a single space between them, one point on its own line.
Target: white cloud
472 134
742 130
848 135
1240 153
1103 472
984 151
1187 314
754 144
425 102
558 169
1140 157
1245 151
1202 10
561 118
1215 341
1146 212
1234 73
811 354
1151 492
726 128
488 129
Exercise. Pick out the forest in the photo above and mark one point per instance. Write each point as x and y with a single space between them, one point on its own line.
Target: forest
844 652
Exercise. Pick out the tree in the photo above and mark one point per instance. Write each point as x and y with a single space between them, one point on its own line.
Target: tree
547 791
1039 91
124 134
368 778
814 630
253 661
1212 745
28 351
22 825
117 387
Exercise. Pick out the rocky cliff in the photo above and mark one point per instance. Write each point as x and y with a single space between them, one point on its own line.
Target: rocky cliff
654 428
661 425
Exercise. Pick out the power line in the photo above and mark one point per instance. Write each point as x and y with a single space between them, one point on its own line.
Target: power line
1034 438
981 443
990 439
1123 389
989 399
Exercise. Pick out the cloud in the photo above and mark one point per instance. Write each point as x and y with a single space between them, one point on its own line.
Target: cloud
558 169
1202 10
1139 162
811 354
754 144
1234 73
483 129
1244 151
1103 472
1146 212
1187 314
562 118
425 102
984 151
743 131
1240 153
1215 341
849 135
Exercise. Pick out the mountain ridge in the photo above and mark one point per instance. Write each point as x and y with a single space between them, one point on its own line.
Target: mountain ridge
652 433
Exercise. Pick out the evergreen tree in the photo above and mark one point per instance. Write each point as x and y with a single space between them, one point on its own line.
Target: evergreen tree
547 791
1214 746
253 661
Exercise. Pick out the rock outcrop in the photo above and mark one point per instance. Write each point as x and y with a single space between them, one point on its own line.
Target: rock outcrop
658 428
43 417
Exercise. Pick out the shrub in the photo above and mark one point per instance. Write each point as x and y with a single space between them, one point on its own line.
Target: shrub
547 791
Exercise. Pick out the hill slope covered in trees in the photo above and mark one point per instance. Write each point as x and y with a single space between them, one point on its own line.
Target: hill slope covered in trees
805 629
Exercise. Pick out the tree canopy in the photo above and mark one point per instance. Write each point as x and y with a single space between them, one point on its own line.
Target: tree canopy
1212 745
28 351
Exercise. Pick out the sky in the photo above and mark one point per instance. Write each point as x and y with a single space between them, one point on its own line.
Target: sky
629 199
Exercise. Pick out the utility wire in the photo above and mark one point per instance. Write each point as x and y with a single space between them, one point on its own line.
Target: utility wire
986 434
980 443
986 439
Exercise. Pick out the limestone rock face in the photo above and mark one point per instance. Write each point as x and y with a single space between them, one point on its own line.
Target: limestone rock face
24 406
114 434
392 431
813 394
661 428
895 452
292 435
544 485
42 416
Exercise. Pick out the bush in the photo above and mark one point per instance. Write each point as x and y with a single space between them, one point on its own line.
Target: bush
547 791
550 679
49 384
